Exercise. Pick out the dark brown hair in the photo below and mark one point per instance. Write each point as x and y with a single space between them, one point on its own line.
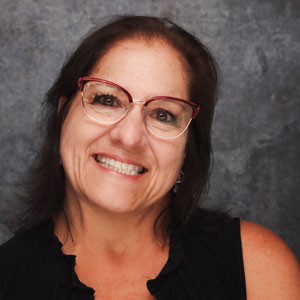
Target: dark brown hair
45 188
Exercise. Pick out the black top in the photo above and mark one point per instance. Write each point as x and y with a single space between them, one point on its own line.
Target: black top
202 265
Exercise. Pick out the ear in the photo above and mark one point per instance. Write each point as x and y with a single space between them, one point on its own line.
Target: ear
61 102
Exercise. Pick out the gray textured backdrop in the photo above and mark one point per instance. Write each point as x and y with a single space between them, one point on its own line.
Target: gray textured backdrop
256 131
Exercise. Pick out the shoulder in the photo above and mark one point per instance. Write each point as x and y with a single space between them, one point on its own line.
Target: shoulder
220 233
20 249
12 255
212 248
271 269
32 264
26 238
12 249
22 259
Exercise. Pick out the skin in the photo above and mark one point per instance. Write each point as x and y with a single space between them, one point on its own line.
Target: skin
271 269
112 215
144 74
114 212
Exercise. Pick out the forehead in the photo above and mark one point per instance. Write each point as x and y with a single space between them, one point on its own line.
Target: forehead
145 68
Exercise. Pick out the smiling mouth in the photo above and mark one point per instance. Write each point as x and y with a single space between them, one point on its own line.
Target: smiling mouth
118 166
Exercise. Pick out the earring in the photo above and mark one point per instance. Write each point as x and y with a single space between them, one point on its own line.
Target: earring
178 181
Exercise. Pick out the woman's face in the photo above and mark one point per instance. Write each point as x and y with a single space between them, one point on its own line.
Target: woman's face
145 70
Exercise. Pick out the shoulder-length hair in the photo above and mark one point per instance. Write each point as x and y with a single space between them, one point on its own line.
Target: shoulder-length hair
44 191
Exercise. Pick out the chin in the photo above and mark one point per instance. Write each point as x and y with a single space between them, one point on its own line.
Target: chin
116 204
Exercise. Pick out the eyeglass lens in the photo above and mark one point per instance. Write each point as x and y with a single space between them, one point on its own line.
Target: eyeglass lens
108 104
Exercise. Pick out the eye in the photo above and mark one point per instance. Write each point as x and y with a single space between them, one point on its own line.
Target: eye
163 115
105 100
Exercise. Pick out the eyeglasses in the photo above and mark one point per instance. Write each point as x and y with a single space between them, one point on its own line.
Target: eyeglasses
107 103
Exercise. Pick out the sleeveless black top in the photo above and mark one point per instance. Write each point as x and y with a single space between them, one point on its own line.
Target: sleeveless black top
201 265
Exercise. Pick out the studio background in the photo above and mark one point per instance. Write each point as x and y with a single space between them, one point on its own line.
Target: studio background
256 132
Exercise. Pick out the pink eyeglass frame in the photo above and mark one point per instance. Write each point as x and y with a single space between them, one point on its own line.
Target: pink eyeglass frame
83 80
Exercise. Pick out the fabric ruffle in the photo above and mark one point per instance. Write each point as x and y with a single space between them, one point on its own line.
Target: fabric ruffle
69 259
155 286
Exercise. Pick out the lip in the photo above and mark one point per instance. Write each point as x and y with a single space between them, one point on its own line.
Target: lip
122 160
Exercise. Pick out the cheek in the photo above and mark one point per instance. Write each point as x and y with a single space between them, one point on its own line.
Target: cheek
74 139
70 151
171 156
78 132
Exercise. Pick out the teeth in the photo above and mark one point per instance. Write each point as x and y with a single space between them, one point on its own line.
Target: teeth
118 166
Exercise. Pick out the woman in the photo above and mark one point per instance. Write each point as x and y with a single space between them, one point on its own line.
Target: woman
125 161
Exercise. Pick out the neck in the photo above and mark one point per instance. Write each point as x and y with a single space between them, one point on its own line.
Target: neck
110 233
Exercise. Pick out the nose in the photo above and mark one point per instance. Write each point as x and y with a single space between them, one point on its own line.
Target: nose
131 131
